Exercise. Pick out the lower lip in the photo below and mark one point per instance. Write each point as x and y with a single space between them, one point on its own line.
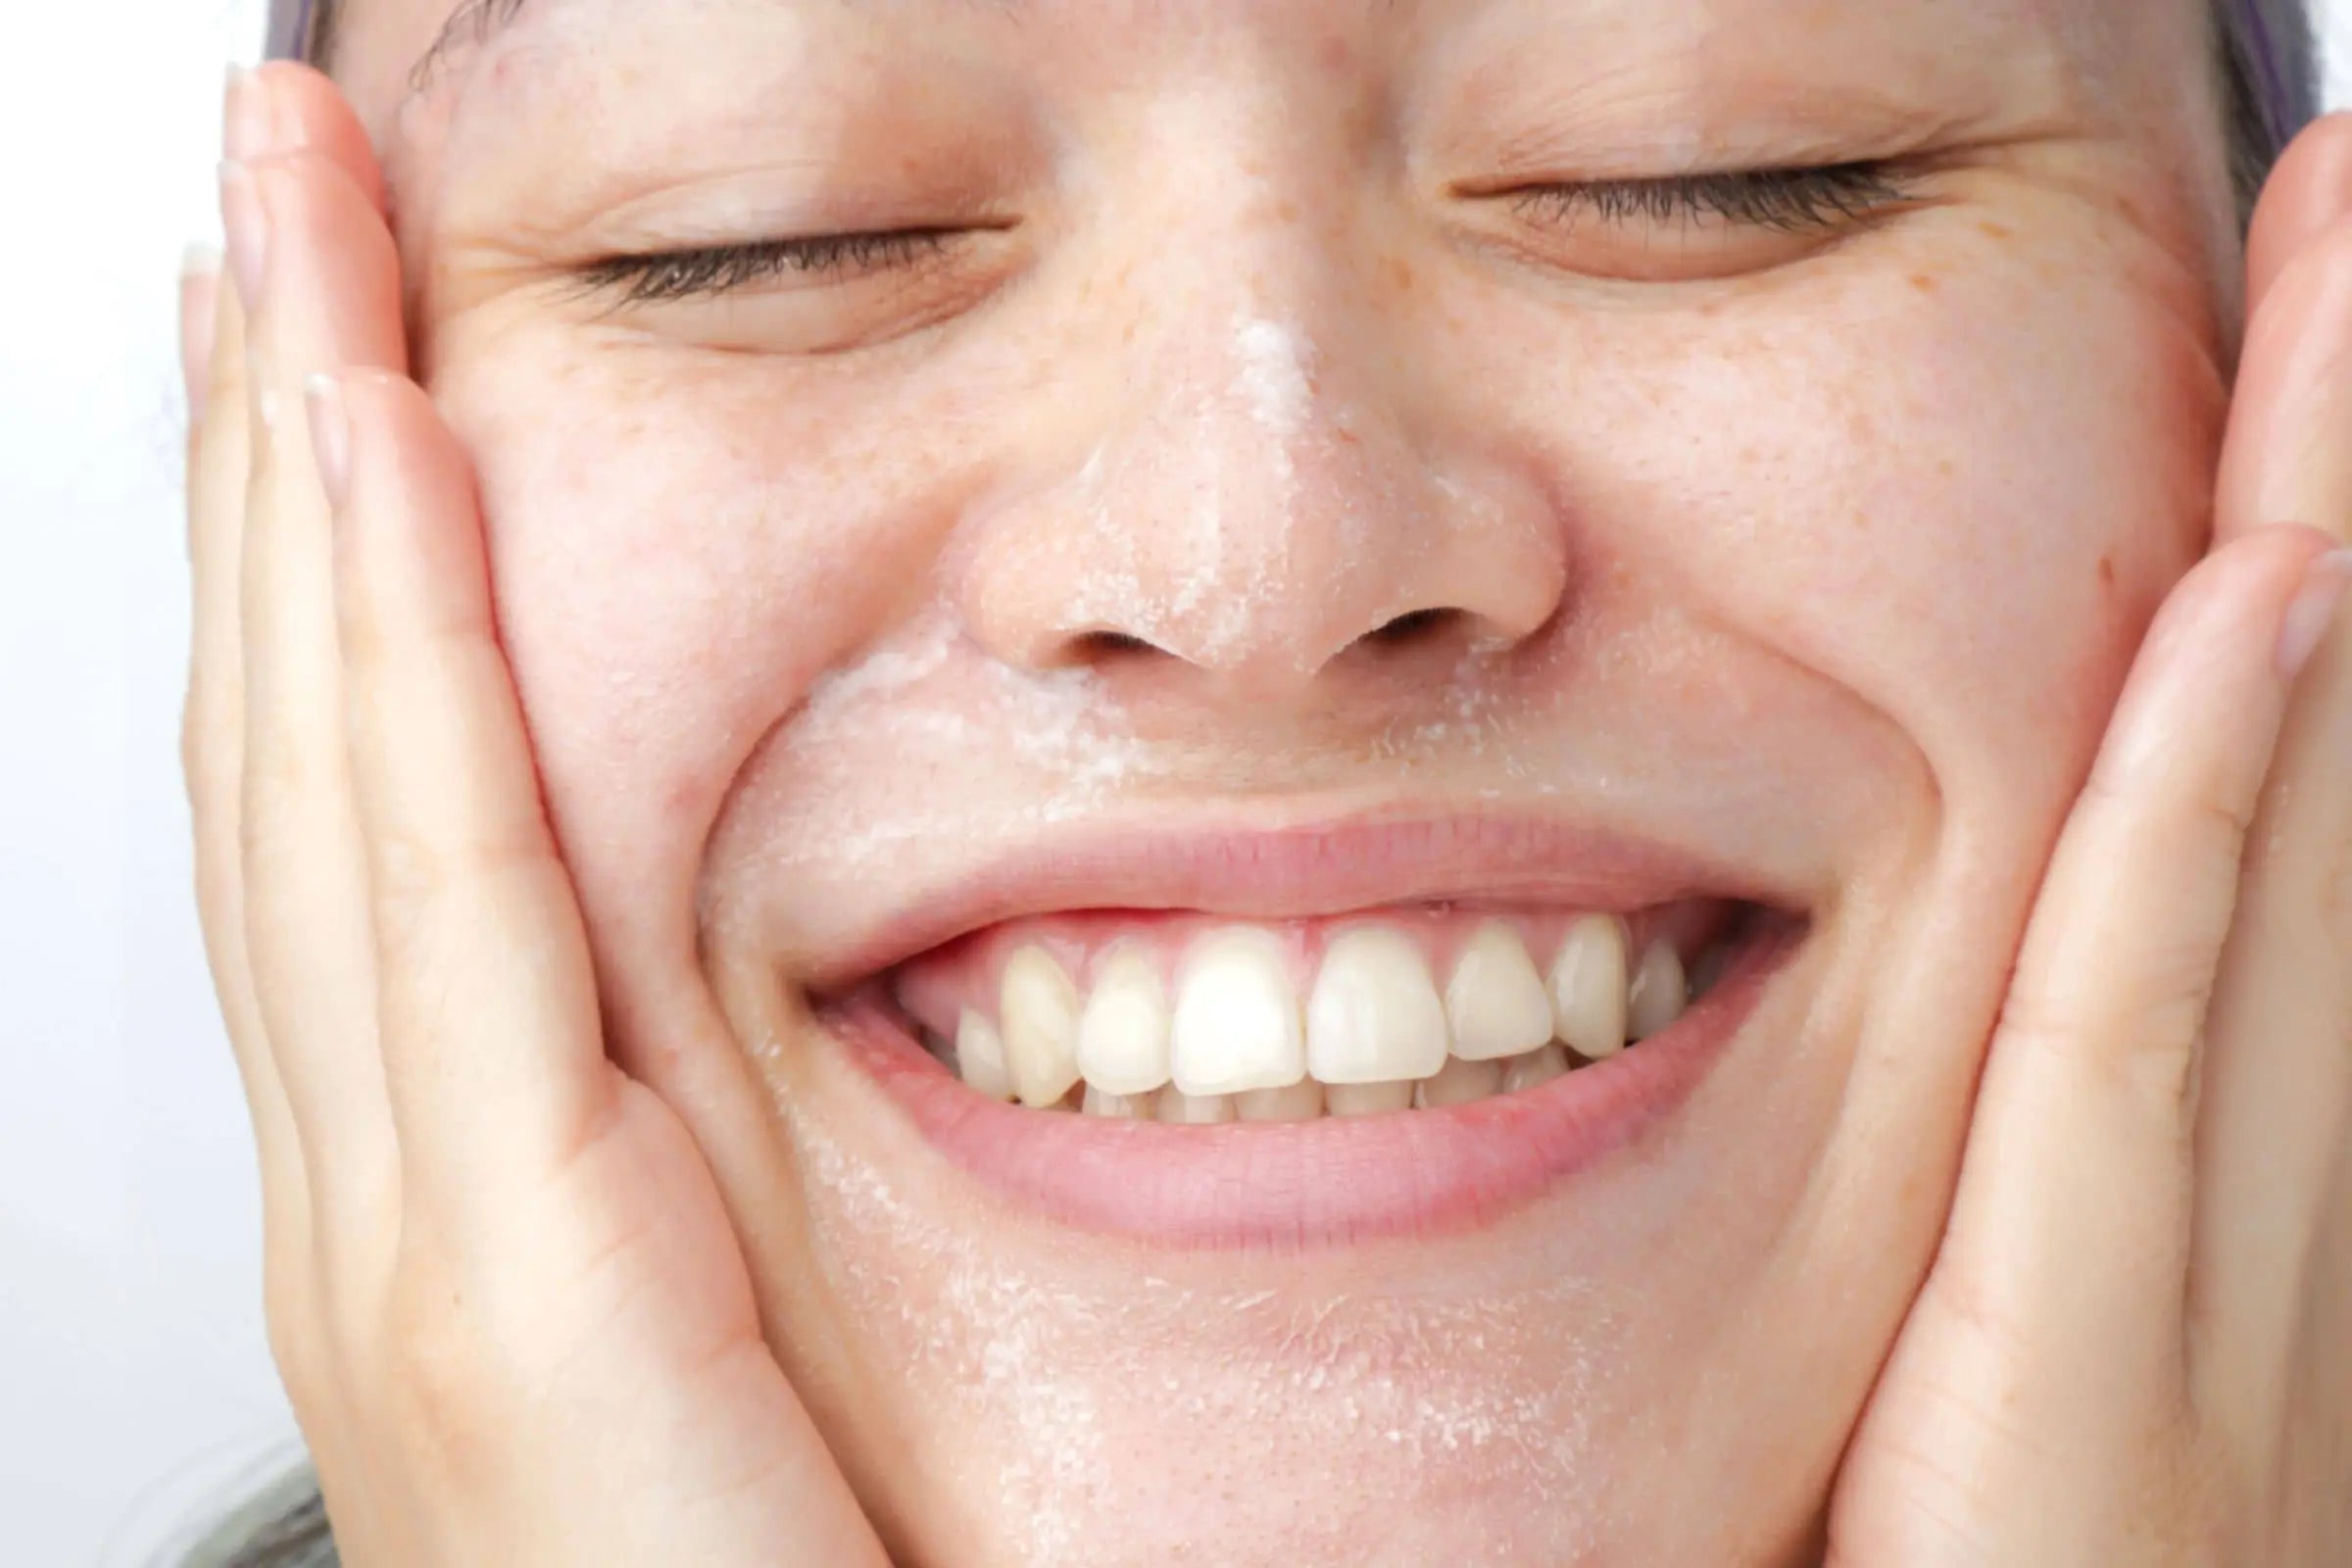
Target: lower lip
1325 1183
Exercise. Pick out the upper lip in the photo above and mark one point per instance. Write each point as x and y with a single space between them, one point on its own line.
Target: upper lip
1298 872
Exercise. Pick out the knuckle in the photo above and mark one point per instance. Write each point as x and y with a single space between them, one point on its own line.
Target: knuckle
290 1321
410 871
209 763
2142 1043
429 883
2334 899
440 1391
283 783
2208 811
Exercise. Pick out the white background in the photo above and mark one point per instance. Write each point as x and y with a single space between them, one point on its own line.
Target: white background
135 1382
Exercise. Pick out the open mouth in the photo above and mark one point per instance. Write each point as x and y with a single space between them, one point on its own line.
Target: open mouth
1192 1020
1311 1039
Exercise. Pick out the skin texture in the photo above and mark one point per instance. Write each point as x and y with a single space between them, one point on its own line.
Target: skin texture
1830 568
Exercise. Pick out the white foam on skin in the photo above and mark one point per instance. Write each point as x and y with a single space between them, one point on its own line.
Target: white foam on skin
1072 1392
1063 725
1270 383
928 698
1238 524
1273 378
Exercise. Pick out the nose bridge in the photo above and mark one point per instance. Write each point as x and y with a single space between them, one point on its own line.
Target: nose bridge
1260 529
1249 474
1251 496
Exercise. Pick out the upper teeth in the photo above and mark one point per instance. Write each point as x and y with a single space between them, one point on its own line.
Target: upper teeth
1375 1030
1588 986
1123 1034
1496 1004
1374 1016
1236 1019
1037 1009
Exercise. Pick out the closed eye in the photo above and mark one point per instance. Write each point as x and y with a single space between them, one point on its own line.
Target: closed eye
704 271
1789 201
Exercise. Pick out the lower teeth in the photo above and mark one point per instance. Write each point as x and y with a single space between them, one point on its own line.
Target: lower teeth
1460 1083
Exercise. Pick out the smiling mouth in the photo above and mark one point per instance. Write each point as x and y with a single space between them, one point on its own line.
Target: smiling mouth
1186 1020
1230 1066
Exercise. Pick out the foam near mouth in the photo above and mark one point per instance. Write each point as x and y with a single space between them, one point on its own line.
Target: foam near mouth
1190 1020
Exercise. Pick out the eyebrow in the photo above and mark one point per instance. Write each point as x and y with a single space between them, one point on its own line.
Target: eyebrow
476 22
471 24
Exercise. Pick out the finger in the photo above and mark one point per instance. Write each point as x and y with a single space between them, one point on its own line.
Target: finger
314 262
492 1046
2306 192
2278 1074
2288 455
2277 1078
199 315
285 107
2069 1237
211 759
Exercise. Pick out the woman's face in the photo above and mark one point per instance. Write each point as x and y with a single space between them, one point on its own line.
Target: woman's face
1256 488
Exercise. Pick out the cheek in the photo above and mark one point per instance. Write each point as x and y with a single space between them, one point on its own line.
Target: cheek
1955 494
677 556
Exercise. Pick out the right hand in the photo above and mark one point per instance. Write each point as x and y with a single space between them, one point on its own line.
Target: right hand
502 1289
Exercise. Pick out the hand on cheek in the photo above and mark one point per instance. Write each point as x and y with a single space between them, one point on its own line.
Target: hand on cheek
2136 1342
502 1290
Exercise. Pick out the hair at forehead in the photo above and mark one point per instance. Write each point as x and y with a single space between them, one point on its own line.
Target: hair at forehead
2269 59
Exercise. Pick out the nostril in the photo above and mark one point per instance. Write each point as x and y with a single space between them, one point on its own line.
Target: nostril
1419 625
1095 645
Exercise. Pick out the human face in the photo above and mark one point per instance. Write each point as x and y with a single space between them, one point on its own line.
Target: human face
1257 490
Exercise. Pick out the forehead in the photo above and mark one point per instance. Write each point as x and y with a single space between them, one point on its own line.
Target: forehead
383 47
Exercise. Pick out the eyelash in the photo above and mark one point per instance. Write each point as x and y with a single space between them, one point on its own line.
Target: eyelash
670 275
1790 201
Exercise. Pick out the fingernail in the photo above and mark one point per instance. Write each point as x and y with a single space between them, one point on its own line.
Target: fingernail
251 124
198 282
245 223
330 436
2314 611
241 115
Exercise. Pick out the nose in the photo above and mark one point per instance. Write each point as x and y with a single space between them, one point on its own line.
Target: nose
1254 516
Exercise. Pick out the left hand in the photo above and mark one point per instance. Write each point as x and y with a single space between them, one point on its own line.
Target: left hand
2135 1347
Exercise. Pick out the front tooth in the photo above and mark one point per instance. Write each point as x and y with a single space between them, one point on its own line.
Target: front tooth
1496 1005
1588 987
1123 1033
1367 1100
1658 993
1116 1107
1180 1109
980 1056
1237 1017
1536 1069
1037 1009
1375 1016
1459 1083
1301 1102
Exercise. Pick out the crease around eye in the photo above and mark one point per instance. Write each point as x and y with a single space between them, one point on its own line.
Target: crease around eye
1818 200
